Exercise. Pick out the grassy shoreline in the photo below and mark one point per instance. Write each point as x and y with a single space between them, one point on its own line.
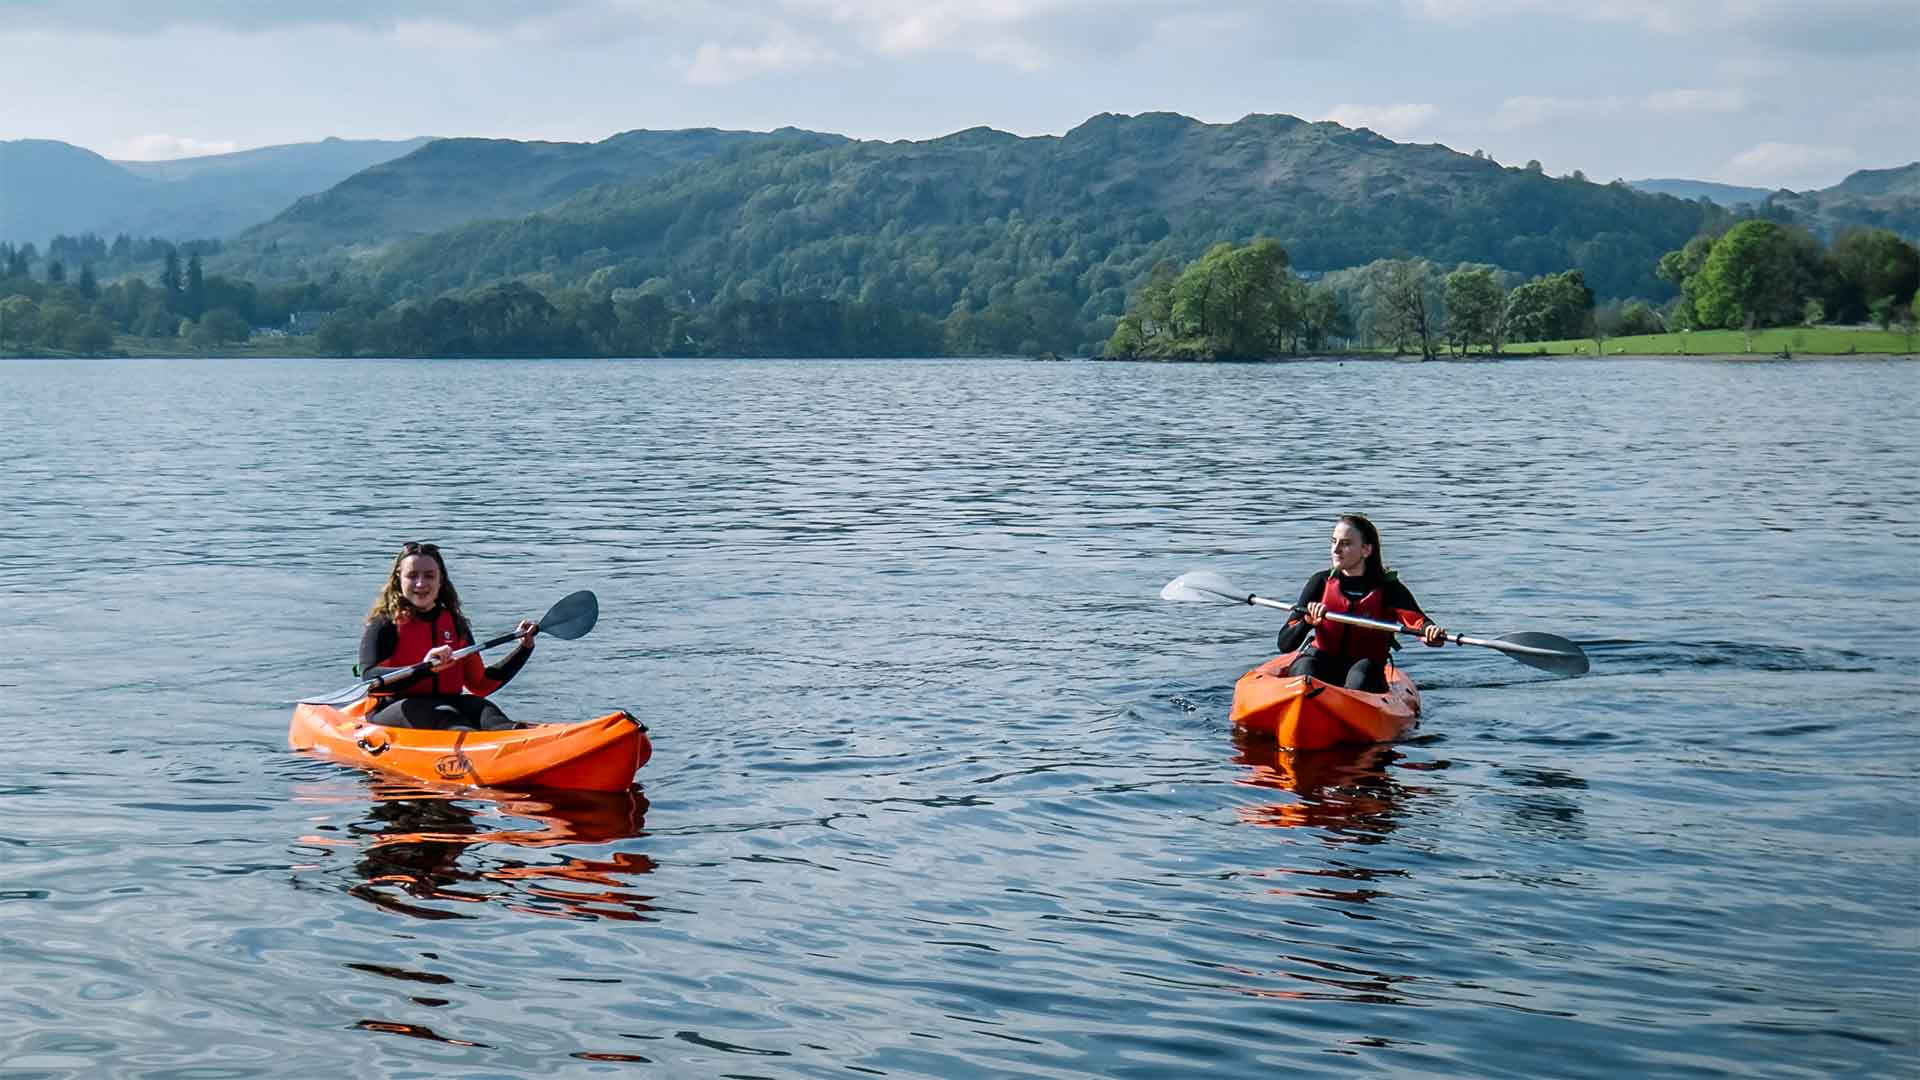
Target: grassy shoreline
1775 343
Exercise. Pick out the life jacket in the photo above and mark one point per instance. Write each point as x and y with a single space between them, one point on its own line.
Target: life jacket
418 635
1343 639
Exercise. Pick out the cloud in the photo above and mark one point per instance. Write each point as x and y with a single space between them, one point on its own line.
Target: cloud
1529 112
1783 164
140 17
1027 35
1396 121
714 64
1697 101
161 147
1526 112
1825 27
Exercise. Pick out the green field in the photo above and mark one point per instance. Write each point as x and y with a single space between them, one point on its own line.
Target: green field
1797 340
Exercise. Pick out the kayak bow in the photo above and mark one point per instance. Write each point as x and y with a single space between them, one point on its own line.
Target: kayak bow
1304 713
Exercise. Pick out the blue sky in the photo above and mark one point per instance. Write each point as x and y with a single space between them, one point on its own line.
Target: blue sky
1767 93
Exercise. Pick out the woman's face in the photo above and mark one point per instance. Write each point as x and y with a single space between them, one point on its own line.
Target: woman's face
1349 550
420 581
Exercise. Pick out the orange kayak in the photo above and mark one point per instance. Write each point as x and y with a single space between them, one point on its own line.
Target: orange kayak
593 755
1306 714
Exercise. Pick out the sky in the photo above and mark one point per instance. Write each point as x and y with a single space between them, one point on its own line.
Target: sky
1763 93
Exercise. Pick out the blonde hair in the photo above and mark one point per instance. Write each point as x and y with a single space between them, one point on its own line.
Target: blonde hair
392 604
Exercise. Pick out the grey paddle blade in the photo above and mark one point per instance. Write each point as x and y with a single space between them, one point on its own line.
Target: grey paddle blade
1548 652
572 617
1204 585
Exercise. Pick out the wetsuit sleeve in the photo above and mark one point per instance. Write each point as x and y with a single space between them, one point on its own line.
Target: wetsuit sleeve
377 643
482 678
1404 608
485 680
1295 630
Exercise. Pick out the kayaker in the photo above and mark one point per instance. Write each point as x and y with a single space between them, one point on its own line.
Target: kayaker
1358 583
417 618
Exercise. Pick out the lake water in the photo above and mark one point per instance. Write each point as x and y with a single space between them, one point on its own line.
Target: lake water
941 788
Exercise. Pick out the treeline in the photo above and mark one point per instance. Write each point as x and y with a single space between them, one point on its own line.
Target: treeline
1245 303
67 256
1764 273
51 313
1238 303
515 320
46 308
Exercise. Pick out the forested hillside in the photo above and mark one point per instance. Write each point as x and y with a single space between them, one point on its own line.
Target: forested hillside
1080 220
455 181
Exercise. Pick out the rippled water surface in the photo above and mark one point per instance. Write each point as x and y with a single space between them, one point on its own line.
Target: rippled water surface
941 788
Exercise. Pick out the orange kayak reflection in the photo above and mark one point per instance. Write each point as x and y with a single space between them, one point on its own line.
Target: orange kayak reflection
429 854
1348 790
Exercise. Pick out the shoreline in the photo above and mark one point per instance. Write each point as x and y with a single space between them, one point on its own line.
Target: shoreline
1367 358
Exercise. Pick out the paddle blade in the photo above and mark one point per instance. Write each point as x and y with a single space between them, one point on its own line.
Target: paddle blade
339 697
1205 586
1548 652
572 617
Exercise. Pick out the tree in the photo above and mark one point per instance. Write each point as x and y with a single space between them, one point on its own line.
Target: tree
170 279
1476 308
1757 275
1551 308
90 336
1407 303
19 320
193 300
89 285
339 334
224 325
1863 265
56 272
1682 267
1323 318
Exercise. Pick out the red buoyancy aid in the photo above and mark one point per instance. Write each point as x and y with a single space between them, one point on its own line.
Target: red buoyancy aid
1343 639
419 635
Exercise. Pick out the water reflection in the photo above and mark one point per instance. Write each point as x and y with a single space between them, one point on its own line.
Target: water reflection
426 854
1346 791
1545 802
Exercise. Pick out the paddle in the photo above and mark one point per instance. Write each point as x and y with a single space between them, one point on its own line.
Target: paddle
1548 652
567 620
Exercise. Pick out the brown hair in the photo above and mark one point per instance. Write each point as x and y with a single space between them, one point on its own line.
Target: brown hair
1377 561
392 604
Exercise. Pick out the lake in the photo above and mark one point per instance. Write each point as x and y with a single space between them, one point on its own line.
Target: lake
940 787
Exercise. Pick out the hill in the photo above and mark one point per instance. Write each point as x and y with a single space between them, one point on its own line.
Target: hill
981 216
1730 196
49 187
454 181
1871 198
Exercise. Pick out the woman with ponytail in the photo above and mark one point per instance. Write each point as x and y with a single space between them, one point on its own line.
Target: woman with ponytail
1359 584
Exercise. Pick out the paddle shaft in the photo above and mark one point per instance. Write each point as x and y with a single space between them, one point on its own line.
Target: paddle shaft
1396 628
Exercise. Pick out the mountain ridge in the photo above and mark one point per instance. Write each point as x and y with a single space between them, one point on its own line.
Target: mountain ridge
48 187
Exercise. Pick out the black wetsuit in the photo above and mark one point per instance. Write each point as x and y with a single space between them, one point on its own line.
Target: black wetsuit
1354 673
433 709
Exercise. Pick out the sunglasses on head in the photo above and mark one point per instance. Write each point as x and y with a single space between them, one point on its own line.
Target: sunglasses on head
415 547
